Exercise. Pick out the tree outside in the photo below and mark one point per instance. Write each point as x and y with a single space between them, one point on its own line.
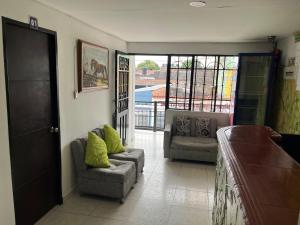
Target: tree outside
148 64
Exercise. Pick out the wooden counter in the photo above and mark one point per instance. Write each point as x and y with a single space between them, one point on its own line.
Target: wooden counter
262 182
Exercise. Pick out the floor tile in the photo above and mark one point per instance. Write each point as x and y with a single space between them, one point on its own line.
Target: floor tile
159 193
137 191
62 218
188 216
191 198
193 183
101 221
115 210
80 204
150 212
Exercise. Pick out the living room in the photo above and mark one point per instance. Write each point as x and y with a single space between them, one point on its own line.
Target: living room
170 190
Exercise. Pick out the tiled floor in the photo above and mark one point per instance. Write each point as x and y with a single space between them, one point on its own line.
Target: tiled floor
168 193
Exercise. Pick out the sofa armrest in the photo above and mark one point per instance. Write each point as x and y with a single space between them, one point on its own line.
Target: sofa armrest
167 140
168 128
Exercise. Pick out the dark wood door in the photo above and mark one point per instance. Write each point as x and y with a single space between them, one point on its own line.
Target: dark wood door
121 116
30 63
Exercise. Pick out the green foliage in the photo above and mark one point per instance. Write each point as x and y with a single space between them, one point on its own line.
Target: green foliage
148 64
186 64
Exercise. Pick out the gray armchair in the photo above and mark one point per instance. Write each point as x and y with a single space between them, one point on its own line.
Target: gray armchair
115 181
192 135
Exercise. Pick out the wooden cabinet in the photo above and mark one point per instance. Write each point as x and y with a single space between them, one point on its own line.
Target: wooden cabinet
257 182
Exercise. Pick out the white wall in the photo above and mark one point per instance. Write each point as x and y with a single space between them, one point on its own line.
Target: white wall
78 116
197 48
288 47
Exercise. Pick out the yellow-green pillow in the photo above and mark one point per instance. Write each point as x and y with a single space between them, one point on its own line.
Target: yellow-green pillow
96 152
112 140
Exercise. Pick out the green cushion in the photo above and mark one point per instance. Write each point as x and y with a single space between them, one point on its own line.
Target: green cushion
112 140
96 152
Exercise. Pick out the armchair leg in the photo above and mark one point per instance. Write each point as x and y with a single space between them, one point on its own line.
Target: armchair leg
122 200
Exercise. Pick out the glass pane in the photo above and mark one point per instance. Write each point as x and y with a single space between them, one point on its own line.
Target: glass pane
231 62
222 62
173 75
173 88
211 62
174 62
200 62
209 83
185 62
252 91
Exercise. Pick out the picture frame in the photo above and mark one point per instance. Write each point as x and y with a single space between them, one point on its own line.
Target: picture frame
92 66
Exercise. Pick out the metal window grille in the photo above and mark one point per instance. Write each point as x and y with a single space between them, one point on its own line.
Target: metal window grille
202 83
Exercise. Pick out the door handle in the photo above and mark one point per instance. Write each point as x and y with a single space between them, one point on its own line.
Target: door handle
54 129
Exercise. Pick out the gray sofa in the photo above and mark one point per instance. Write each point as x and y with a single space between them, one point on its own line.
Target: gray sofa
115 181
192 135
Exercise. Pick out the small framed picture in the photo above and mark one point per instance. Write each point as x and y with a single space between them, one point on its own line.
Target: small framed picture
92 63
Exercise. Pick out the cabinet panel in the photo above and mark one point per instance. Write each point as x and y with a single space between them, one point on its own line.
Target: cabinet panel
220 195
228 208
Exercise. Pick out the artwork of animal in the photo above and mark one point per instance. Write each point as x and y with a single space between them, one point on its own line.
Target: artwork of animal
98 69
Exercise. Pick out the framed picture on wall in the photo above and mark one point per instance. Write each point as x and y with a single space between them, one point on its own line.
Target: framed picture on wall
92 65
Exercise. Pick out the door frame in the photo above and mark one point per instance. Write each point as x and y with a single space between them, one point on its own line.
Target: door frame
115 111
123 130
269 81
8 21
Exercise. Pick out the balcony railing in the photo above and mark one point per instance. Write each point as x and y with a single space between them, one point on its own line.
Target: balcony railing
150 115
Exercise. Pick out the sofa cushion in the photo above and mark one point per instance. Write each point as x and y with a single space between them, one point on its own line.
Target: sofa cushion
183 125
118 172
132 154
204 127
194 143
112 140
96 151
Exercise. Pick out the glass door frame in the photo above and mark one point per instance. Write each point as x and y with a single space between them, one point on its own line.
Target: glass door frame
275 57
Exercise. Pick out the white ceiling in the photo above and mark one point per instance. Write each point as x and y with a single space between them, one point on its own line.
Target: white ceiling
176 21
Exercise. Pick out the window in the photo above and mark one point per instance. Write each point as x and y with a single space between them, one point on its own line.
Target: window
180 82
202 83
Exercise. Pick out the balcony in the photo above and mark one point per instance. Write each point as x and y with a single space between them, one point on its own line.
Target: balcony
150 115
